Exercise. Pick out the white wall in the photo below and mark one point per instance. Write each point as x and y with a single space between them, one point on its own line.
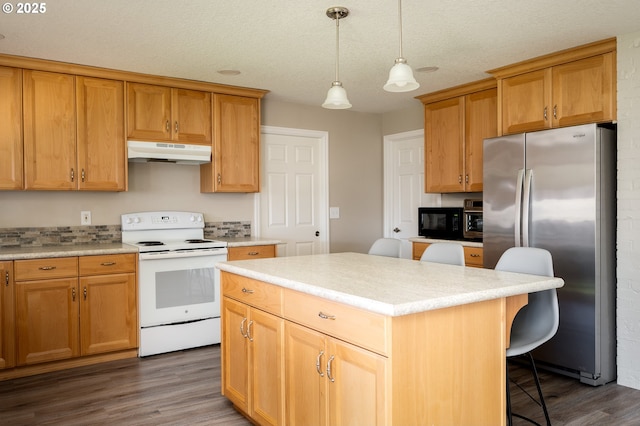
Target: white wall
628 238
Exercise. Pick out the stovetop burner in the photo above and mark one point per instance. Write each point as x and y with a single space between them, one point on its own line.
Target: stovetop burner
150 243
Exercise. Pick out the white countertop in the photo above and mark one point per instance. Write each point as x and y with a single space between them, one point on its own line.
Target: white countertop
20 253
385 285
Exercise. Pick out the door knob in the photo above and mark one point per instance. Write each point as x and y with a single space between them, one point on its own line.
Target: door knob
317 233
396 229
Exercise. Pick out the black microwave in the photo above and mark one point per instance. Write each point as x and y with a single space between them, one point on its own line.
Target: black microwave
445 223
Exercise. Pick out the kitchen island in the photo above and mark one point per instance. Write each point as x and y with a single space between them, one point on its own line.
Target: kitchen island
360 339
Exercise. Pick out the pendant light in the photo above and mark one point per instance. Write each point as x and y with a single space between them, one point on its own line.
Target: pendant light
337 96
401 76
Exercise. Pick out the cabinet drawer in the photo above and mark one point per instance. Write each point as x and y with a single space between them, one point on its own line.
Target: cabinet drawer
251 252
54 267
473 256
357 326
258 294
107 264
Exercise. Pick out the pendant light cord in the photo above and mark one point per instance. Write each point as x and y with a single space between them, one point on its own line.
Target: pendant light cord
337 47
400 23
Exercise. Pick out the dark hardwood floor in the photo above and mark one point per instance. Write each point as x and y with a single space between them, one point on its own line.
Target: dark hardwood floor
183 388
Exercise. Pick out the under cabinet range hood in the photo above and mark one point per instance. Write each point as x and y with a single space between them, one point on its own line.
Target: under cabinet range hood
164 152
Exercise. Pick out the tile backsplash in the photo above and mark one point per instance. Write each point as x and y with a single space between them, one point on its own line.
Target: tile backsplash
100 234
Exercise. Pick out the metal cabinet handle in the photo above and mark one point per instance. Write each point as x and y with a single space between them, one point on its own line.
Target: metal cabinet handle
108 263
459 178
82 175
245 335
176 127
466 178
73 174
544 113
219 178
73 294
167 126
47 268
318 363
249 336
325 316
84 293
6 278
474 255
253 253
247 291
329 368
555 111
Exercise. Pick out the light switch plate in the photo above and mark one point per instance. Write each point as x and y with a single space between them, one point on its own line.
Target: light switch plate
334 212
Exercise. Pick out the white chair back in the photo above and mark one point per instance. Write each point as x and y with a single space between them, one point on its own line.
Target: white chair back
389 247
450 253
538 321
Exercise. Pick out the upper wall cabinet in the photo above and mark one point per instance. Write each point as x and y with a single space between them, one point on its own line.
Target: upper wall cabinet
168 114
457 120
49 131
566 88
11 176
102 159
73 132
236 146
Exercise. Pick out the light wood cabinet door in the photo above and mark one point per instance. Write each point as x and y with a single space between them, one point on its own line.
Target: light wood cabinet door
321 376
236 146
481 122
266 365
252 344
102 158
108 313
444 146
47 320
11 157
191 115
148 112
7 316
49 131
235 353
525 102
583 91
306 385
347 365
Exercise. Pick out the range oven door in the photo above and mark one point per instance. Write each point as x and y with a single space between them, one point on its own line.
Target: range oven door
179 288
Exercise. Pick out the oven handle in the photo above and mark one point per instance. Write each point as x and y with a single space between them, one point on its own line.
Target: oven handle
178 254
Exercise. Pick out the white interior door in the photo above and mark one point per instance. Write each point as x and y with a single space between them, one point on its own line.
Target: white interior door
404 186
293 199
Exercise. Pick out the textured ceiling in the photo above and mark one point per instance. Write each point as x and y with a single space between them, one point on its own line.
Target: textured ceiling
288 47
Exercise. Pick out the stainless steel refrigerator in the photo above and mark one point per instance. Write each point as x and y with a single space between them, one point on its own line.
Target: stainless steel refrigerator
556 189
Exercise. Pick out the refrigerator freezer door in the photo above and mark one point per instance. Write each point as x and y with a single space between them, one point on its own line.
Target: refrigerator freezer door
503 169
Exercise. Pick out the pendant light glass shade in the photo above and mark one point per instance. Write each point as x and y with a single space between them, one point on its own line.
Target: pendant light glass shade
337 96
401 76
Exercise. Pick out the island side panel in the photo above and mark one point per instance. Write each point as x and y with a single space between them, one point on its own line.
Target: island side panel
448 365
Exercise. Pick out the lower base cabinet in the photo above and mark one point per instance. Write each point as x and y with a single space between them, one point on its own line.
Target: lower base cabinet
72 307
347 386
252 345
7 316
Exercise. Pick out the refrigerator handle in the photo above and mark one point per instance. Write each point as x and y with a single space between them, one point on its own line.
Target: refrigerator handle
526 197
517 231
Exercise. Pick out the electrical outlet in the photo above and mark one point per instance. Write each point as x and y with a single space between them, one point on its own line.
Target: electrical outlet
85 218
